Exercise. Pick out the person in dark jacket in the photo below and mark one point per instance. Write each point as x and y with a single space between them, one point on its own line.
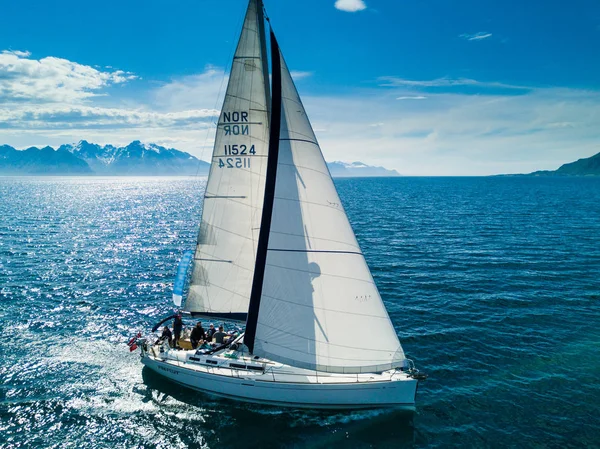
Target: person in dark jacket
198 335
210 332
177 327
166 335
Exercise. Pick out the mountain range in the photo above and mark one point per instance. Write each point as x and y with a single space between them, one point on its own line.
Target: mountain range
135 159
582 167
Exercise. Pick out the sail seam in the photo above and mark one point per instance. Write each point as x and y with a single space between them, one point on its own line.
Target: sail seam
225 289
309 202
223 196
305 168
312 237
324 309
270 264
221 156
301 140
214 260
239 123
231 232
233 200
314 251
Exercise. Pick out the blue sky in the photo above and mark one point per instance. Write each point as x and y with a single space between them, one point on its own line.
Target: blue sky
426 87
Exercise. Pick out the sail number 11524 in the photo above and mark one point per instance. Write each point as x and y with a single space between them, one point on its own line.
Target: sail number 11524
237 162
234 150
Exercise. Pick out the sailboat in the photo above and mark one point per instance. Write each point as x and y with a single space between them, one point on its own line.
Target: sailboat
276 252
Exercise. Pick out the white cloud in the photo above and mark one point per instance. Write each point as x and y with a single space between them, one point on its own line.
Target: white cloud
459 134
392 81
53 116
298 75
17 53
51 79
53 101
350 5
503 129
201 91
477 36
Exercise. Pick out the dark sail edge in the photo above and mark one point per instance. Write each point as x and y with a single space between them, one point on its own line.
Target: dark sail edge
263 51
267 212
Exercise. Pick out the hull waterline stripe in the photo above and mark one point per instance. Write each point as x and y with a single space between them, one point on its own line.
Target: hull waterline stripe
267 212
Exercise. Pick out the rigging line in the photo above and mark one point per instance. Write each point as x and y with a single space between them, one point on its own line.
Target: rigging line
301 140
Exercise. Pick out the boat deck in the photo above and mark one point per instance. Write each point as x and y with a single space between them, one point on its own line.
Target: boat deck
237 364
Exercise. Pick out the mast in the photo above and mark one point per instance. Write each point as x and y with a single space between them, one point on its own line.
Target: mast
263 51
267 212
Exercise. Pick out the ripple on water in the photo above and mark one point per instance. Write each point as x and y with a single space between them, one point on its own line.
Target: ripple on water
492 285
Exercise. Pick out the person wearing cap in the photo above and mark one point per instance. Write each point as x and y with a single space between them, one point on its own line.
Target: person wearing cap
210 332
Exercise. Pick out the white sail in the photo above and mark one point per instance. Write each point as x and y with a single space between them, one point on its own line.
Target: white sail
319 308
226 251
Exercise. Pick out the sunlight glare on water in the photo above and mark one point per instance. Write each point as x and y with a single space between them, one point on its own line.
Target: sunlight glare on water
491 283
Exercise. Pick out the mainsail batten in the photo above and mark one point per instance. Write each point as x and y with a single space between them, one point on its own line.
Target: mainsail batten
319 307
226 251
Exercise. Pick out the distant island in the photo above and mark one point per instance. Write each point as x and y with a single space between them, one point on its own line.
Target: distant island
583 167
135 159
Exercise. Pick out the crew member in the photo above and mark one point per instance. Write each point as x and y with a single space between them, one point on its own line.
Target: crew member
166 335
177 327
198 335
210 332
219 336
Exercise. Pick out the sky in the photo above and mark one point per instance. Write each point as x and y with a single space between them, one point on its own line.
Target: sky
427 87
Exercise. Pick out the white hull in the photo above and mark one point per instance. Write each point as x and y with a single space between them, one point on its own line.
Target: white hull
283 385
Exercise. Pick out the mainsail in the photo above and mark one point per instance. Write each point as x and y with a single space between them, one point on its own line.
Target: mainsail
319 307
226 251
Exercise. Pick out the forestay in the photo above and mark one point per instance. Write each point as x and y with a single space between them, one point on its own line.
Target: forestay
319 308
226 251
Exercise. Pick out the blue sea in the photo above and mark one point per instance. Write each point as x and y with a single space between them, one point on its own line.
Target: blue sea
493 285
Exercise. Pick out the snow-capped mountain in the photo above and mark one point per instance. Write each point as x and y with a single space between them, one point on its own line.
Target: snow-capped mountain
137 158
44 161
339 169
